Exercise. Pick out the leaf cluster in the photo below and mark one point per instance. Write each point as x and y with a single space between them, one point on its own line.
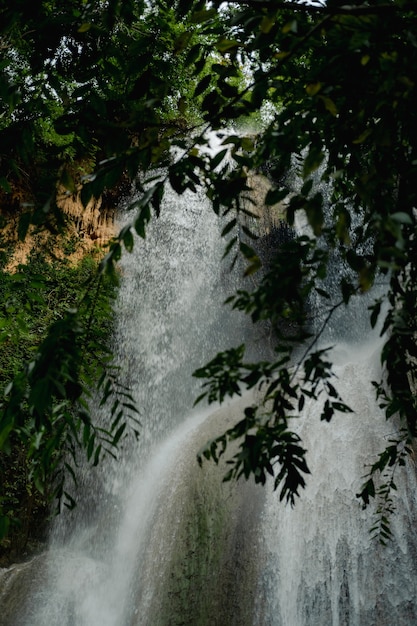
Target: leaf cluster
267 444
54 352
343 89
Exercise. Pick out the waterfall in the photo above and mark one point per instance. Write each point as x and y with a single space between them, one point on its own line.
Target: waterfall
109 560
157 541
322 567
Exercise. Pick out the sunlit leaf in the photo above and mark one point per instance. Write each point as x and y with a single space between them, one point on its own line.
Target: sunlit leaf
313 88
225 45
267 23
329 105
291 26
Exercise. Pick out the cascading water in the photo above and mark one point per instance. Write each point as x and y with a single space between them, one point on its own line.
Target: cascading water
155 541
118 558
321 565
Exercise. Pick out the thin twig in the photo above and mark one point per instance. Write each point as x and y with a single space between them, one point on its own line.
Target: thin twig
316 337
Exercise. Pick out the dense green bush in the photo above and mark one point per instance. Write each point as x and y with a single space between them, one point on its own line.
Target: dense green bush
52 311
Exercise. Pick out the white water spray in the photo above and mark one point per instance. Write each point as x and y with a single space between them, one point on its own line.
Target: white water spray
322 565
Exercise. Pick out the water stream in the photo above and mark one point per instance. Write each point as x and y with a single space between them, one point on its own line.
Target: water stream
155 541
322 566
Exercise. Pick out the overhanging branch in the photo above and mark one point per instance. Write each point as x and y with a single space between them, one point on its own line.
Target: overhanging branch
345 9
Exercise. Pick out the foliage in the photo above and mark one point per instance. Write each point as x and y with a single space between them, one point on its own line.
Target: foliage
87 93
91 82
117 80
53 352
347 92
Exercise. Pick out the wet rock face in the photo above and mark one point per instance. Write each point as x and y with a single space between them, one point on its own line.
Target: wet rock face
90 226
93 223
203 553
265 218
16 584
26 589
269 243
268 223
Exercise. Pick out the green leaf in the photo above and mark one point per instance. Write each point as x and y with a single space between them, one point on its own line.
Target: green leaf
363 136
322 293
5 430
376 309
90 446
118 434
229 227
267 23
128 240
97 455
4 184
193 55
313 88
225 45
68 181
274 196
248 252
254 267
205 15
202 85
290 27
24 223
156 198
142 221
329 105
218 158
313 160
343 408
402 218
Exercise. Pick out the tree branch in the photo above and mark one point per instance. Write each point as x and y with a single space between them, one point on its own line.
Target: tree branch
345 9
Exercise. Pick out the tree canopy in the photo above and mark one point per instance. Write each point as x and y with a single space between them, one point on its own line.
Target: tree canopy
96 93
